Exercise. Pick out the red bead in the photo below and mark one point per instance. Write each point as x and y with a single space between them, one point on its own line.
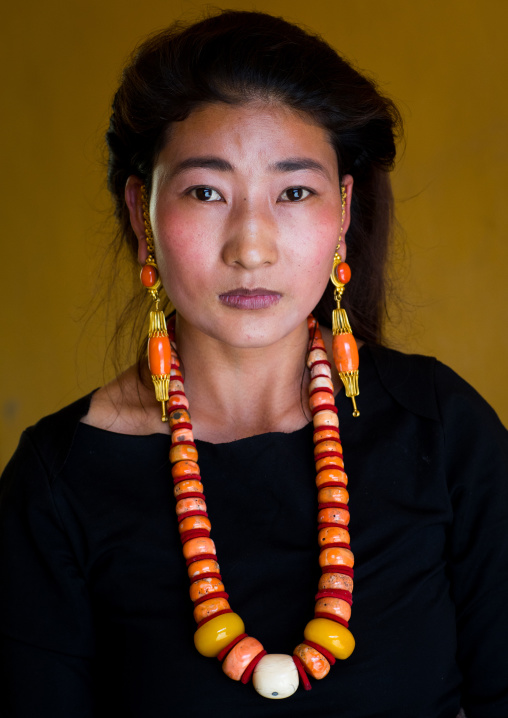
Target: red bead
149 276
343 272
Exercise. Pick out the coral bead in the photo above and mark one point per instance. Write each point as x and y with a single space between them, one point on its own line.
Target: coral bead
316 355
333 516
337 639
321 382
192 504
208 608
343 272
182 452
326 417
240 656
194 522
329 461
186 487
331 494
214 635
319 370
275 676
333 535
179 416
329 475
345 352
184 468
336 557
177 400
199 545
337 581
201 588
159 356
148 276
328 445
321 398
313 661
336 606
205 565
182 435
324 434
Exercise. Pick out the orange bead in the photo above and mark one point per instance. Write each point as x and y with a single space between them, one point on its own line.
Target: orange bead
182 435
177 400
179 416
328 445
149 276
208 608
324 434
194 522
205 565
336 557
329 461
184 468
333 516
193 504
321 398
345 352
313 661
240 656
326 417
328 475
343 272
201 588
175 384
159 356
337 581
180 452
333 494
199 545
335 606
333 535
186 487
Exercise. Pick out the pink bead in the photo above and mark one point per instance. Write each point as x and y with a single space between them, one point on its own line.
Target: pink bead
320 382
320 369
316 355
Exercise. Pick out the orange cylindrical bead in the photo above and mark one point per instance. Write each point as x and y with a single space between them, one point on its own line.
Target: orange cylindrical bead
333 535
335 606
343 272
181 452
194 522
336 475
329 461
313 661
149 276
184 468
336 557
345 352
186 487
205 586
199 545
331 493
205 565
333 516
159 355
240 656
337 581
208 608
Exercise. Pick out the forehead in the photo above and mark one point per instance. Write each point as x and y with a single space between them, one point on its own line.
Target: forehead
251 132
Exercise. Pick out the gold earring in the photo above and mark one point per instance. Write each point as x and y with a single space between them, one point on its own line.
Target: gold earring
345 350
159 348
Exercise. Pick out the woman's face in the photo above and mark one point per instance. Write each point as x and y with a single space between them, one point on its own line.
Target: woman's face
246 216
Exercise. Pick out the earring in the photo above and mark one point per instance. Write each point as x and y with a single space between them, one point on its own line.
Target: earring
159 348
345 351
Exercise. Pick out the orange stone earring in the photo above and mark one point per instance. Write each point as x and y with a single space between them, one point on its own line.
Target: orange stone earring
159 348
345 350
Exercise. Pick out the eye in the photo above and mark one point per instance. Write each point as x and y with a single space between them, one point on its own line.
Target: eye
205 194
295 194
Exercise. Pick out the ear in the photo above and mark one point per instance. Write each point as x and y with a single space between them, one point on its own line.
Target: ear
135 205
347 183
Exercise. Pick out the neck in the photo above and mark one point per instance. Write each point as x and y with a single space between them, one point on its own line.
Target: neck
237 392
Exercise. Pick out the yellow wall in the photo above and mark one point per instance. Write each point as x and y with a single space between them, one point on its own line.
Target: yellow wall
444 61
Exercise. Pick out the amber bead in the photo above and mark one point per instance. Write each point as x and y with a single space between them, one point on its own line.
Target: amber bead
208 608
199 545
313 661
240 656
343 272
204 587
335 581
335 606
333 494
187 487
159 356
216 634
328 475
333 516
182 452
205 565
149 276
326 417
193 504
336 557
329 461
337 639
333 535
345 352
194 522
184 468
179 416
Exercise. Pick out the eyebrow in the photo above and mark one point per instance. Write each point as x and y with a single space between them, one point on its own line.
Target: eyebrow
291 164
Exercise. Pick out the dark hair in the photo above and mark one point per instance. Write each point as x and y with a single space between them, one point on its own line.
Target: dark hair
234 57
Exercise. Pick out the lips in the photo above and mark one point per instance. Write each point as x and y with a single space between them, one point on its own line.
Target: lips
242 298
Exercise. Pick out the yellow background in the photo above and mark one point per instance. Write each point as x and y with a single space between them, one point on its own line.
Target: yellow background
444 62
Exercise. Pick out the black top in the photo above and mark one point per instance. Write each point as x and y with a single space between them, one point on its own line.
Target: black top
95 615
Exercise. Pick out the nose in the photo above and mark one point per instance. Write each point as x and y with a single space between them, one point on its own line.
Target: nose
251 238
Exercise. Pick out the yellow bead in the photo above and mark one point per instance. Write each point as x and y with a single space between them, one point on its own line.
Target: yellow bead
215 634
333 636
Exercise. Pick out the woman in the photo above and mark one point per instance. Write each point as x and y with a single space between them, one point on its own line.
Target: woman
246 160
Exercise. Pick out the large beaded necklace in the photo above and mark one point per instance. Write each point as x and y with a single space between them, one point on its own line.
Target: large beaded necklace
221 632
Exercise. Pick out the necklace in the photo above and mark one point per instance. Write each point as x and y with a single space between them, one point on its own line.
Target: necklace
221 632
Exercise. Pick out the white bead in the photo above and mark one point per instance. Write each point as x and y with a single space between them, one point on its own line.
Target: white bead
275 676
